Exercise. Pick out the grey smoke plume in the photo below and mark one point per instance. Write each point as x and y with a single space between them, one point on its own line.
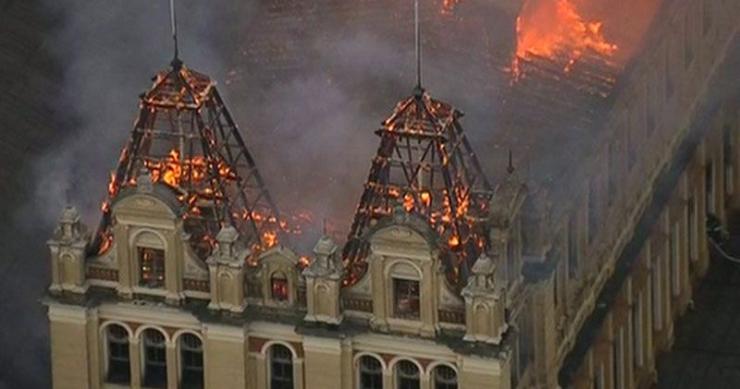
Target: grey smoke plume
310 125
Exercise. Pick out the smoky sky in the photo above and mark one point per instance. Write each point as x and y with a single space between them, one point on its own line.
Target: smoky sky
307 85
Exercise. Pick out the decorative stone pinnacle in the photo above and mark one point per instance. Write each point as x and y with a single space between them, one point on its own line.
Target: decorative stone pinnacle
226 238
144 181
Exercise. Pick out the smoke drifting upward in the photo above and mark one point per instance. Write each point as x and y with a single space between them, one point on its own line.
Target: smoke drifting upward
307 81
109 52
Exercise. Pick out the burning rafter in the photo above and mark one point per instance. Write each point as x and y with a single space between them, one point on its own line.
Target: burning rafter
426 165
186 138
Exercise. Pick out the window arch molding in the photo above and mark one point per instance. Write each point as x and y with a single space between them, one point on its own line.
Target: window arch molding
108 323
265 351
140 331
396 267
436 364
183 331
356 359
148 237
430 373
393 365
396 360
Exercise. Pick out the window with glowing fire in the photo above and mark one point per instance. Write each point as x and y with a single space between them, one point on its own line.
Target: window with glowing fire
406 298
279 286
151 267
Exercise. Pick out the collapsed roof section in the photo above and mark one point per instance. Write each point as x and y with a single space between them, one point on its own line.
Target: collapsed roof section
186 139
425 166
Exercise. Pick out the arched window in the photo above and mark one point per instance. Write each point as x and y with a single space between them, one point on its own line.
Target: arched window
371 373
151 267
407 375
119 367
281 367
444 377
191 362
279 286
406 298
155 359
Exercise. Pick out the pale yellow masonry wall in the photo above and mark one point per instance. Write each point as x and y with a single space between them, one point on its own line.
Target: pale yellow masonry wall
69 346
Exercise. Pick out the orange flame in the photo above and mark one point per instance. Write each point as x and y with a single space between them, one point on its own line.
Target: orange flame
448 6
555 29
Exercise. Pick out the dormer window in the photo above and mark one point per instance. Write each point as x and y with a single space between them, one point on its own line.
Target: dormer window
406 298
279 286
151 267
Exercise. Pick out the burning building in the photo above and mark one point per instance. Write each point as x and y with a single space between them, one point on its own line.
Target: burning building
556 253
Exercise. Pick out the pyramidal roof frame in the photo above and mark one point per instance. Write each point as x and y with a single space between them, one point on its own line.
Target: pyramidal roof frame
186 139
426 167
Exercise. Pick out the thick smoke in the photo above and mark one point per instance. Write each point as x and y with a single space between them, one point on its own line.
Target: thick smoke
307 92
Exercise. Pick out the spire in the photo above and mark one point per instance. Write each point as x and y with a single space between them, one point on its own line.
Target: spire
418 91
176 62
510 166
186 142
424 166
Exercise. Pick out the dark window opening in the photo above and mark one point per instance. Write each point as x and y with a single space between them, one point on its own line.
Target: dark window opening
727 158
119 366
445 378
616 371
709 187
510 261
151 267
706 16
191 358
371 373
650 105
407 375
155 359
636 322
612 175
593 212
279 287
692 227
572 248
688 49
281 367
668 78
406 298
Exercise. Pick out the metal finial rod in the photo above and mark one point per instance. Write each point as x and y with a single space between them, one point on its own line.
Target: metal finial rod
510 167
417 27
173 22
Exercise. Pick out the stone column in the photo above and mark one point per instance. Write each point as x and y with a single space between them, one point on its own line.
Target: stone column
226 270
323 360
172 365
68 334
225 349
484 304
323 284
67 248
135 359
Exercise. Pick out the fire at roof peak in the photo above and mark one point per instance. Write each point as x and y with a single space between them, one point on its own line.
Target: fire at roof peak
185 139
426 166
557 30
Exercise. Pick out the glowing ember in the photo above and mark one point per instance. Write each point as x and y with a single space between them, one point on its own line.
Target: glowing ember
448 6
555 29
